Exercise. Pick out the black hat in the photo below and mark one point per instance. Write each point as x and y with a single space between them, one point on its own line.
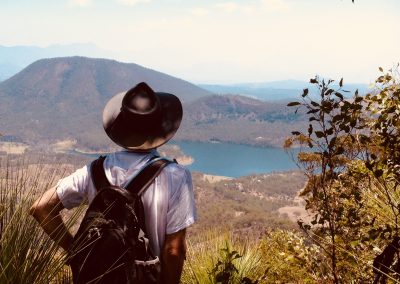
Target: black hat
142 119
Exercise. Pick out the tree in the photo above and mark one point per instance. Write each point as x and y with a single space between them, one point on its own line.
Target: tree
352 166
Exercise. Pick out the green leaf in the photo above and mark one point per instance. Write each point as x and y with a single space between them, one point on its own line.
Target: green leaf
332 142
314 104
329 131
326 106
339 95
369 165
381 69
293 104
313 111
340 150
337 118
378 173
358 99
364 139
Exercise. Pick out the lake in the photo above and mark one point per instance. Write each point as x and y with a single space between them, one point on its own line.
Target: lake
234 160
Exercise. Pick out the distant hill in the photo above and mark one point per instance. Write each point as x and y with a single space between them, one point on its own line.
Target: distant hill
15 58
238 119
274 91
63 98
248 205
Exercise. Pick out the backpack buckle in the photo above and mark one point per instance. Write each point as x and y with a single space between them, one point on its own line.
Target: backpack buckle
94 231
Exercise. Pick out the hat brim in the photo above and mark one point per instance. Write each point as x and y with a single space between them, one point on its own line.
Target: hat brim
171 117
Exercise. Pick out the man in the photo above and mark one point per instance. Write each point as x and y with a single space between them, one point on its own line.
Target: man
139 120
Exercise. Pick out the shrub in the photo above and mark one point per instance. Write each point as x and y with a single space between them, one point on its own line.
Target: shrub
212 254
27 254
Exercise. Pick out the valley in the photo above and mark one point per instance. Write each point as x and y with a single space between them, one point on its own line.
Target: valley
60 99
51 110
243 205
245 184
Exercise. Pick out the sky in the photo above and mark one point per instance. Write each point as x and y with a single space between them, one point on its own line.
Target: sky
220 41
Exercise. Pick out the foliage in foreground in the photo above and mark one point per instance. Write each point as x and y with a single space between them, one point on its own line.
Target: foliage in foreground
214 256
27 255
353 166
279 257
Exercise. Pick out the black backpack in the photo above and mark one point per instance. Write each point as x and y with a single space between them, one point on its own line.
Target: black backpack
111 245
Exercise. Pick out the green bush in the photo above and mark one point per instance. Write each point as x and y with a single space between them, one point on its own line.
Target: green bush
212 254
287 258
27 254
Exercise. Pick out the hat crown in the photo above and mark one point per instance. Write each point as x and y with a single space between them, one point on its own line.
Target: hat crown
140 100
142 119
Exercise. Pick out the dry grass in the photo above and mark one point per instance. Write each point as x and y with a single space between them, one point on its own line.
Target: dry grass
27 254
13 148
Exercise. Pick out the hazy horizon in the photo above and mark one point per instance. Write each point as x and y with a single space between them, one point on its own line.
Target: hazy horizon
220 42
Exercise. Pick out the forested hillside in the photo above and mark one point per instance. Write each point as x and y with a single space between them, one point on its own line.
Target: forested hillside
239 119
62 99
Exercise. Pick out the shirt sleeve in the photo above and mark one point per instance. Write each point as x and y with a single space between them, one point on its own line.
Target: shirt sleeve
72 190
181 204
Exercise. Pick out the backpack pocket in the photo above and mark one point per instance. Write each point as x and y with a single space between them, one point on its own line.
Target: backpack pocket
93 261
148 271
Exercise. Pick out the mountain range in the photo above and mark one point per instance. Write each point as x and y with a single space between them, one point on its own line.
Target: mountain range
276 90
15 58
62 98
239 119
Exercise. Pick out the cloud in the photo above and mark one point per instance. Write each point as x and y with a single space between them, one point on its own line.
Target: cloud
274 5
251 7
80 3
132 2
200 12
228 7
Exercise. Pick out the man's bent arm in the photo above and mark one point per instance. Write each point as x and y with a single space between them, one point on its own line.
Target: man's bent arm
173 256
46 210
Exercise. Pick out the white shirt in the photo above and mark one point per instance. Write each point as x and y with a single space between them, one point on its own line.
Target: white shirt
168 202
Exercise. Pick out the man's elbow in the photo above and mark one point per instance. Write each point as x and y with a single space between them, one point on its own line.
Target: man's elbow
176 252
42 211
38 212
46 206
175 245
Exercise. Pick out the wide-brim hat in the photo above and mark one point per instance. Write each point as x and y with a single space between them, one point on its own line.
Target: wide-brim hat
141 119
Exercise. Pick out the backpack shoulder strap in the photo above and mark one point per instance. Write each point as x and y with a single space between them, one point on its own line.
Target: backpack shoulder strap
142 180
98 175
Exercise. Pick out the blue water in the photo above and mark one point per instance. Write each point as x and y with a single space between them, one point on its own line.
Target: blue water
232 160
235 160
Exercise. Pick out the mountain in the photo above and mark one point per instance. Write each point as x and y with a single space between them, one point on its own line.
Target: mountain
15 58
63 98
276 90
239 119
